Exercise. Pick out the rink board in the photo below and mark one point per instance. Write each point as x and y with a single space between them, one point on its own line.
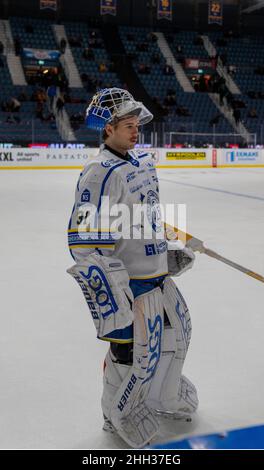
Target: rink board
67 158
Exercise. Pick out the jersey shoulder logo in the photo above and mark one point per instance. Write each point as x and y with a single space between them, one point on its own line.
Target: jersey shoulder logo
85 197
109 163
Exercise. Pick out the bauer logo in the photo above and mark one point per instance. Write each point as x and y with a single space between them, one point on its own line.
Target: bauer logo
127 392
103 294
234 156
87 296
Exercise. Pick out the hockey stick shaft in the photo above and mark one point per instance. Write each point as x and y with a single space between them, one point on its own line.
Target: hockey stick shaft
198 245
234 265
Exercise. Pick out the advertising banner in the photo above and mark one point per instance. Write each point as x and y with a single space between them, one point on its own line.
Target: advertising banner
200 63
108 7
44 157
186 155
241 156
41 54
215 12
164 10
48 4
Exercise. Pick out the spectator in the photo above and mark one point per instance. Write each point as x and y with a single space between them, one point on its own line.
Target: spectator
155 58
170 100
18 45
39 111
142 47
88 53
202 84
152 37
60 104
102 67
51 92
237 115
198 41
63 44
75 41
23 96
13 119
93 34
231 69
15 105
168 70
144 69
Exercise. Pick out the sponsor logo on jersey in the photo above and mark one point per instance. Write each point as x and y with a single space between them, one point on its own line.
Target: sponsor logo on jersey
156 248
109 163
146 182
85 197
150 165
131 176
153 211
135 188
133 161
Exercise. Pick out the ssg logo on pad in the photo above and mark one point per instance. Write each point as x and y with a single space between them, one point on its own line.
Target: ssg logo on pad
103 294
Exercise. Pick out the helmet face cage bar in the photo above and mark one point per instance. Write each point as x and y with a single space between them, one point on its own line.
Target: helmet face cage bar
111 104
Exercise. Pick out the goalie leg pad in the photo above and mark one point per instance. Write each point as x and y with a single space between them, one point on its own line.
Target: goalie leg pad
170 391
129 414
114 374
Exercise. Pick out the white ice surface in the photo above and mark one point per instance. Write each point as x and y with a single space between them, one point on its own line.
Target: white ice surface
50 361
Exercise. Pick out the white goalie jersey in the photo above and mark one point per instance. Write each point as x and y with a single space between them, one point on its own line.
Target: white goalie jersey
117 213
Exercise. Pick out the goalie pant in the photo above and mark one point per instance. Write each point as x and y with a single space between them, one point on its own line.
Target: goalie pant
170 391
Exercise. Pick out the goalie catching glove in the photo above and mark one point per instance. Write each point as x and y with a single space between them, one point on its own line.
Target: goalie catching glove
105 285
180 258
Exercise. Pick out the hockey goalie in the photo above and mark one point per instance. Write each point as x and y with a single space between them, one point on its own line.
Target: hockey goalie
125 272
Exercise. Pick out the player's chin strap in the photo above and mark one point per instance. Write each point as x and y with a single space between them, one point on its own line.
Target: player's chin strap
134 421
171 392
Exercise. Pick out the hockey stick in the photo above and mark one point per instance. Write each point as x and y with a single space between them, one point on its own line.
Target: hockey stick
198 245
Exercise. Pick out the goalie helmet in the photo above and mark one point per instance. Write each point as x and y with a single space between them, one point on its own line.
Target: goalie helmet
112 104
